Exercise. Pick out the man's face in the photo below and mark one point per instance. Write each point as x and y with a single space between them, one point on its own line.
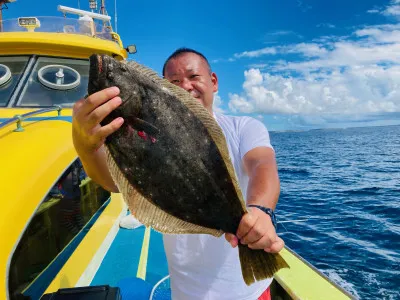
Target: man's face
190 71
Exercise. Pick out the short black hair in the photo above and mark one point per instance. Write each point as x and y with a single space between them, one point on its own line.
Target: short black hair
181 51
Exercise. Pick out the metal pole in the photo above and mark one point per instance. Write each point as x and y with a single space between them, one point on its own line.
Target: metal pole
102 9
1 15
1 11
115 5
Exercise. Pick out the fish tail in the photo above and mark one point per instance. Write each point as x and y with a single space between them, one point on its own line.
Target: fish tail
258 264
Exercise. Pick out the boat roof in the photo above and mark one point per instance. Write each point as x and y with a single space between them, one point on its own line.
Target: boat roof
61 36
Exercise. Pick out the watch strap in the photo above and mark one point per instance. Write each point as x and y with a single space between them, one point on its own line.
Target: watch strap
268 211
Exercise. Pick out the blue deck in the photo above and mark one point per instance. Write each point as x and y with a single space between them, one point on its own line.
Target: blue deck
122 259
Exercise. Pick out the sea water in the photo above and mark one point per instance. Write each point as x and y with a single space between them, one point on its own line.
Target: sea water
343 185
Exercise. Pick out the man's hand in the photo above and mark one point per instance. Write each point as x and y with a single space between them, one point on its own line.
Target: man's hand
87 133
89 136
256 231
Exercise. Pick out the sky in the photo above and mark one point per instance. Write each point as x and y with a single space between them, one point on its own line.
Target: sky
293 64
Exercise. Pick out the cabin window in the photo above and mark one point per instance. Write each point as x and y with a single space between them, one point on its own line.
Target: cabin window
59 224
59 77
5 74
11 69
55 81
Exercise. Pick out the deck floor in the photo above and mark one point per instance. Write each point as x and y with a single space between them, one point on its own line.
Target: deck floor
122 259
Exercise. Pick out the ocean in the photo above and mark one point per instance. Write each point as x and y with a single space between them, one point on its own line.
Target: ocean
343 187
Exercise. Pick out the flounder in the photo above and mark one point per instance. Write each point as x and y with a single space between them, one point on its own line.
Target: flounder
170 160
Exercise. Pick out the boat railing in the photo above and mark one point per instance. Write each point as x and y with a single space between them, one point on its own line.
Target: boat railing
58 25
18 119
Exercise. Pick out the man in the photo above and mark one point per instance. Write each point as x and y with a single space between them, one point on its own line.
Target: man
200 266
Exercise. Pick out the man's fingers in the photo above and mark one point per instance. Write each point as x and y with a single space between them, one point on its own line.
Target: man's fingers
108 129
97 99
276 246
229 236
78 104
232 239
245 225
259 244
97 115
255 234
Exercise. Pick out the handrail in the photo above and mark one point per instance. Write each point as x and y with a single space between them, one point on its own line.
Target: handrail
19 118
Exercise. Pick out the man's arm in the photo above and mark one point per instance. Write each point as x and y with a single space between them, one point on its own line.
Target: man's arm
96 168
264 186
256 229
89 136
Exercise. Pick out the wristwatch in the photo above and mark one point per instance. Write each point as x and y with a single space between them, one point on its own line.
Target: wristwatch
268 211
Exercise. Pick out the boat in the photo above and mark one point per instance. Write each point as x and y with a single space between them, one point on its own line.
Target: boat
60 230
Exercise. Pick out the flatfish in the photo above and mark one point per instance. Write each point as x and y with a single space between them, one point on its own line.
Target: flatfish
170 160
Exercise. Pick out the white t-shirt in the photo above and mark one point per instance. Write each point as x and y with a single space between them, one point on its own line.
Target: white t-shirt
202 266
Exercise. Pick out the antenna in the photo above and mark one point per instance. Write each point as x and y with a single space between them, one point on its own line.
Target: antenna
1 11
103 7
79 4
115 18
65 10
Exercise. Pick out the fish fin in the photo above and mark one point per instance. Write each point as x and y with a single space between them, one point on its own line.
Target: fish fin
144 70
150 215
258 265
147 212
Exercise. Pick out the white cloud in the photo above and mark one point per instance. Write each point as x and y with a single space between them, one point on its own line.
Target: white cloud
306 49
272 37
219 60
281 32
256 53
348 76
358 89
303 6
374 45
391 10
380 36
278 33
329 39
327 25
352 76
217 104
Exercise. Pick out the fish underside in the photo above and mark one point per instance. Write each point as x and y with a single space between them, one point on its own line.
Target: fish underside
170 160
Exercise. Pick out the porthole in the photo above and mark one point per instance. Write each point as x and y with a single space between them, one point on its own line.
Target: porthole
59 77
5 74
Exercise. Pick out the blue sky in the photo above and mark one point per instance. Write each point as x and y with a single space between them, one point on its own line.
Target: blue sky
292 64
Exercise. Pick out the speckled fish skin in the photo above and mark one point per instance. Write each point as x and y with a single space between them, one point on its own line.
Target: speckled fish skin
182 171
